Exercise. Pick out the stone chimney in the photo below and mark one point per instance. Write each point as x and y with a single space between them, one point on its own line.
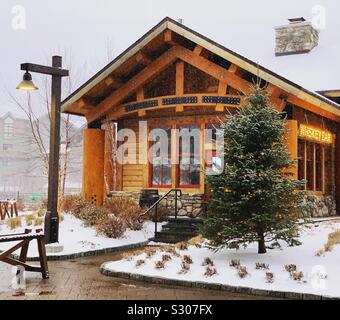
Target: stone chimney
299 36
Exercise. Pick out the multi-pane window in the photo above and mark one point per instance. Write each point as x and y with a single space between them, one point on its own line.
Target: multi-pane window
7 147
161 157
8 127
314 165
189 156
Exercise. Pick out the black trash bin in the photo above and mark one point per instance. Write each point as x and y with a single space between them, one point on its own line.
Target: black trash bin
148 197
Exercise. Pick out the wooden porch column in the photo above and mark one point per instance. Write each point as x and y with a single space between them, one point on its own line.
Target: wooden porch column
337 171
93 166
109 165
292 144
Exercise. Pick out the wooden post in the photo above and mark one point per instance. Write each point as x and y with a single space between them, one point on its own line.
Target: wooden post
292 144
109 165
93 165
337 171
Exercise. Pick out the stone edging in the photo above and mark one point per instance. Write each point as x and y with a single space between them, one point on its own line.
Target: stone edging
90 252
213 286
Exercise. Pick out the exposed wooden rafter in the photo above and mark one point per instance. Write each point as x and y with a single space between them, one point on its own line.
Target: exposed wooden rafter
168 37
198 50
233 68
112 81
137 81
143 58
213 69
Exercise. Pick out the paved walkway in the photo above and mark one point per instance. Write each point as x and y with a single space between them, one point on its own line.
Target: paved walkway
80 279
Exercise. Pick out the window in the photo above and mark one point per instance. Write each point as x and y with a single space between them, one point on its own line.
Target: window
314 165
189 156
7 147
161 157
8 127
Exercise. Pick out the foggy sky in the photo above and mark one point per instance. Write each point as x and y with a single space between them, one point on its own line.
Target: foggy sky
85 28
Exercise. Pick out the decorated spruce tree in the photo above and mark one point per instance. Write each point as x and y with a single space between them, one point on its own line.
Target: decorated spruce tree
255 198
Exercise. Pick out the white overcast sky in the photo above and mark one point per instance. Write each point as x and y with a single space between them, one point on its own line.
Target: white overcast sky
84 28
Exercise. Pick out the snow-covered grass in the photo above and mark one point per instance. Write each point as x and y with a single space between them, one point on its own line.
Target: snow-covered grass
77 238
321 274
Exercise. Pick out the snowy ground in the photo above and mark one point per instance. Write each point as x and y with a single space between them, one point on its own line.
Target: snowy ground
321 273
77 238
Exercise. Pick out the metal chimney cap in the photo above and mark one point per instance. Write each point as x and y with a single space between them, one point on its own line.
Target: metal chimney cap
295 20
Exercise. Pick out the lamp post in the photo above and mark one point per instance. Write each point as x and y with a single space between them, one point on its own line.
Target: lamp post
51 217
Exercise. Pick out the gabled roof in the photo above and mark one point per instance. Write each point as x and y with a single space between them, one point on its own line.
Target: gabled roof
189 34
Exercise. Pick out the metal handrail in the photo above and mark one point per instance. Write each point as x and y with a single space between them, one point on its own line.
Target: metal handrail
155 205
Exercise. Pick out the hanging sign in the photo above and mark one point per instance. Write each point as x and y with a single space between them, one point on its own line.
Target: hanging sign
315 134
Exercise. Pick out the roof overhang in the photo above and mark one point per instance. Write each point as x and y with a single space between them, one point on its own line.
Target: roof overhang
292 88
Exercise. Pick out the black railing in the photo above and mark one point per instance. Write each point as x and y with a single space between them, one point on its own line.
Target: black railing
178 193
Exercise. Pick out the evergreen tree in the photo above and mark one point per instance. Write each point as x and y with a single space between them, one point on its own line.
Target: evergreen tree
254 198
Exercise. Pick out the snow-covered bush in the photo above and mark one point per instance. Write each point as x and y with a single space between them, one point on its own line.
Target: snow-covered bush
110 226
127 210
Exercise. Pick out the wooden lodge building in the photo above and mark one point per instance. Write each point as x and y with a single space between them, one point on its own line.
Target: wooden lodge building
175 78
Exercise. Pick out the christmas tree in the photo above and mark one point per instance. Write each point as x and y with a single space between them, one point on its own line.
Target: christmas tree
255 197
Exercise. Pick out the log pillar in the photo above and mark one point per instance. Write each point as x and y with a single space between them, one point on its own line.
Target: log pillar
93 166
337 171
109 159
292 144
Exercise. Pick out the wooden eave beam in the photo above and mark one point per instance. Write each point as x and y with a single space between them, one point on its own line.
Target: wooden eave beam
143 58
168 37
233 68
198 50
133 84
112 81
213 69
312 107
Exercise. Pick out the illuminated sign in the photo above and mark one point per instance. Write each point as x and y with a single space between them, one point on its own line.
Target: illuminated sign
315 134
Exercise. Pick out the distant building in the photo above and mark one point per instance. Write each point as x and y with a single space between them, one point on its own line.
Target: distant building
21 167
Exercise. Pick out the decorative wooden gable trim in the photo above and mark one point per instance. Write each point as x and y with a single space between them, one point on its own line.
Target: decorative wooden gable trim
170 29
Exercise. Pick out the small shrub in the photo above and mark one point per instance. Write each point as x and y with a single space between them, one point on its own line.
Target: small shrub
242 272
297 275
14 223
126 209
159 264
261 266
38 221
41 212
195 240
207 262
29 219
68 203
185 267
187 259
166 257
182 246
210 271
333 239
150 252
235 263
61 217
170 249
290 268
139 262
269 277
320 253
111 226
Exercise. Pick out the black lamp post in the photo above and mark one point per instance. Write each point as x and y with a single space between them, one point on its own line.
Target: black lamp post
52 217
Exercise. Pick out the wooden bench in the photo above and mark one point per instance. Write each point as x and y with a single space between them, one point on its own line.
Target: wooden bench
8 208
25 238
